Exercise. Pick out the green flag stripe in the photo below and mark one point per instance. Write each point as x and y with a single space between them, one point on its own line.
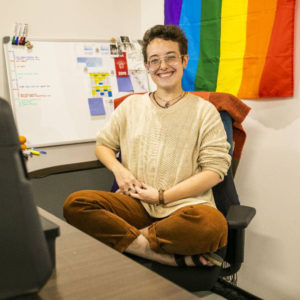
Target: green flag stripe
208 65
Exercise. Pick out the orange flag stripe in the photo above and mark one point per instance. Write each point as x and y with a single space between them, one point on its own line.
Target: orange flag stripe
261 15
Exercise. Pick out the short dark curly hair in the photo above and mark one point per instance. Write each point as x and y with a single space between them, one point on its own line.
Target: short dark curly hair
165 32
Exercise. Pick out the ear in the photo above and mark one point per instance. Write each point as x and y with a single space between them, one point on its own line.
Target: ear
146 67
185 60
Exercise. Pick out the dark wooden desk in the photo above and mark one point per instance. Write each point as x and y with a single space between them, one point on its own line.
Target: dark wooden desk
87 269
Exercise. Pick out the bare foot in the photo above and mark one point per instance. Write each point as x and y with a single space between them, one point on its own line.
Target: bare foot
144 232
203 261
140 247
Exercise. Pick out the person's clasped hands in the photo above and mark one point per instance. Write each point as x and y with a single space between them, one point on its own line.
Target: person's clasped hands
145 193
130 186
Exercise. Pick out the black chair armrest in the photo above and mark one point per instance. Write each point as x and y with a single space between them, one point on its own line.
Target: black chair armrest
239 216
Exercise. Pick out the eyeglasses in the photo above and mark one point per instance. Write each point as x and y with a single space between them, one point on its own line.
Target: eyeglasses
170 59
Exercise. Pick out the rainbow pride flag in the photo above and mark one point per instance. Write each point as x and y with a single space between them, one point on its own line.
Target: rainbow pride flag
241 47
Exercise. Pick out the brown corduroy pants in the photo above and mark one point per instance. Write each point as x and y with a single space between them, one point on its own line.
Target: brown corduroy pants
115 219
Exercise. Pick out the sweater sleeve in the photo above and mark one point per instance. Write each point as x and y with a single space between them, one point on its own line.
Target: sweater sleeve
109 136
213 151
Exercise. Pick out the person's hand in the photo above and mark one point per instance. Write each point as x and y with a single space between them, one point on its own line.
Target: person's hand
126 181
145 193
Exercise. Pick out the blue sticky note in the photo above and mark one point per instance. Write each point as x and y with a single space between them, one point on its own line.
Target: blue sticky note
91 62
124 84
96 106
81 59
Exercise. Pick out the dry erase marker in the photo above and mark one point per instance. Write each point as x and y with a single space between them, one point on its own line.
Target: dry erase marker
41 151
25 33
21 34
34 152
15 34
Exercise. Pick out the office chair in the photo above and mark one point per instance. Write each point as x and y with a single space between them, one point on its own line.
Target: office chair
227 201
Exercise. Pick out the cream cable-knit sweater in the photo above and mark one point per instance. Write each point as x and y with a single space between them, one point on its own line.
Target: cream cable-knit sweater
162 147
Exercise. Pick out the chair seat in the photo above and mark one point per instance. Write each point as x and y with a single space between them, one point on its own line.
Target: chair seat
192 279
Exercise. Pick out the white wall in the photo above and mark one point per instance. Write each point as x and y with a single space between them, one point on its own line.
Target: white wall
91 19
267 178
152 13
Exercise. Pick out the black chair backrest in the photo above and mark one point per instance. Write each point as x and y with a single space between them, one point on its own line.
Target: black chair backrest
225 193
25 263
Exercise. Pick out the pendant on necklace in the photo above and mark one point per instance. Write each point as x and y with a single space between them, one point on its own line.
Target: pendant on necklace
167 104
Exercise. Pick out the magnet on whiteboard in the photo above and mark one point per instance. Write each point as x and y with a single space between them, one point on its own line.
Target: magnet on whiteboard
29 45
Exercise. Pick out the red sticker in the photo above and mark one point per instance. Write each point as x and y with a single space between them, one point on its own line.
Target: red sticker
121 66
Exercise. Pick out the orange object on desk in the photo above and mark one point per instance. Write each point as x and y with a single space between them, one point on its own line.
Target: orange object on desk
22 139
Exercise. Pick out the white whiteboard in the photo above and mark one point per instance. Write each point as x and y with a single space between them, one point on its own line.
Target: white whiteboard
62 91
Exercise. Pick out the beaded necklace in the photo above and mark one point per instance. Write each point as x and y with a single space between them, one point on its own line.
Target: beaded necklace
167 103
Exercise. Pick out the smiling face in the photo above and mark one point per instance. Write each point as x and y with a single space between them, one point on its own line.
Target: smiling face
170 63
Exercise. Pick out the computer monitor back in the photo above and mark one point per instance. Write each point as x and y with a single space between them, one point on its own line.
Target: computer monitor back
25 264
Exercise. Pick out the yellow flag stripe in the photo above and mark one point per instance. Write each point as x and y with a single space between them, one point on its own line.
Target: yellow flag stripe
232 45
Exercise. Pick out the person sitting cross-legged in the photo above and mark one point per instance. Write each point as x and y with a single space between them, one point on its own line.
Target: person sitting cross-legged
174 150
